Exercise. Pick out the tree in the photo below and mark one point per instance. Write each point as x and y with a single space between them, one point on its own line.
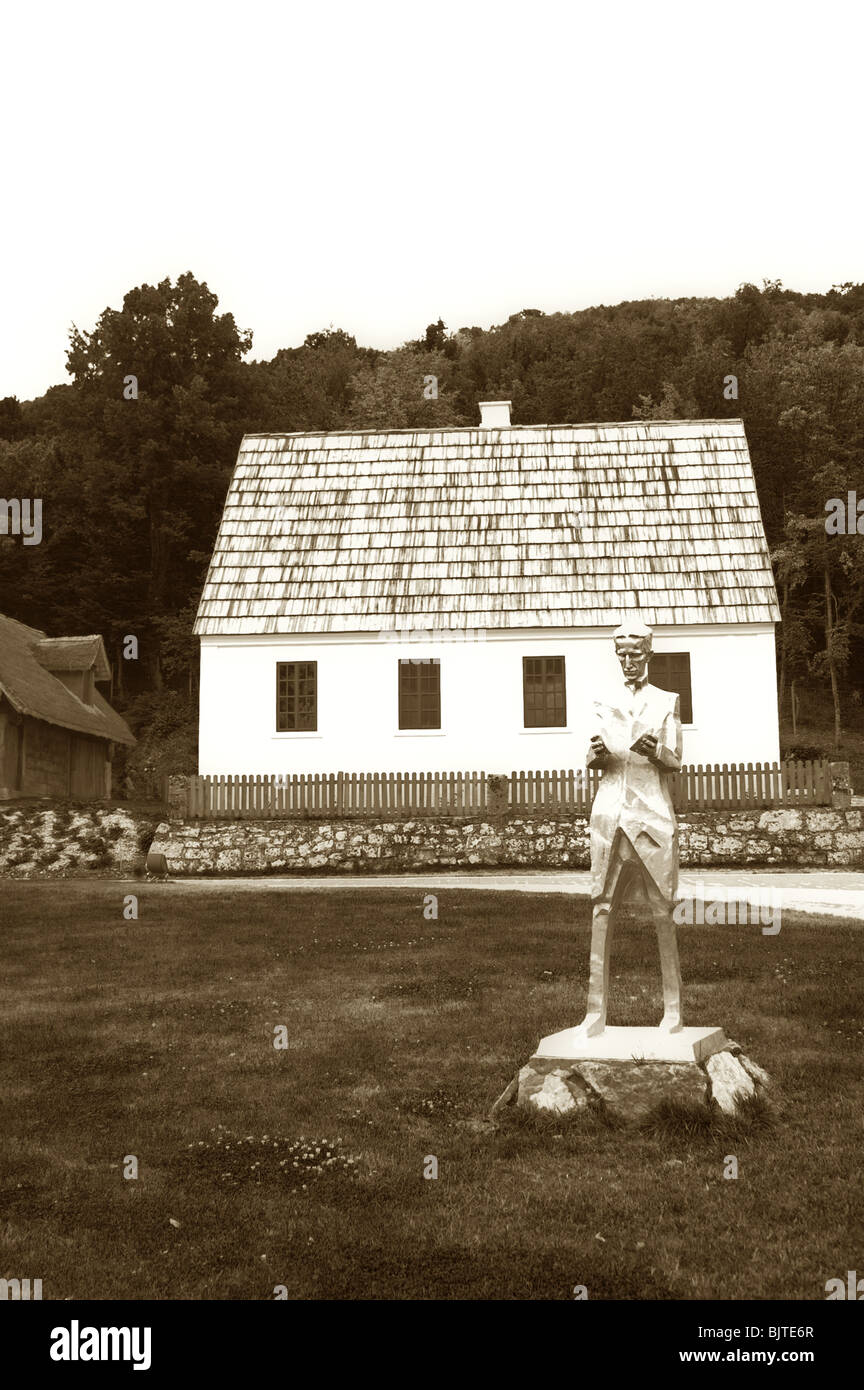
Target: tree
745 319
160 397
307 388
11 418
824 430
436 336
670 406
403 390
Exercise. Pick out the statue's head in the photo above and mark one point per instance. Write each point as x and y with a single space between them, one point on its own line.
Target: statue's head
633 643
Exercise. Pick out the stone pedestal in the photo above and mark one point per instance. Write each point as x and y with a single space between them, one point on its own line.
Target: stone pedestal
634 1044
626 1073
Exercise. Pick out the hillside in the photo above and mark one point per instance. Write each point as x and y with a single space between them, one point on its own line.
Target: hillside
132 458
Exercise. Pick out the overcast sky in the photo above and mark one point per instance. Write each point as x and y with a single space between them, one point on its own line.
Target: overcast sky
377 165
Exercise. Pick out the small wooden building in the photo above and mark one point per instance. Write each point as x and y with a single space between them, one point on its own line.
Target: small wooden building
57 732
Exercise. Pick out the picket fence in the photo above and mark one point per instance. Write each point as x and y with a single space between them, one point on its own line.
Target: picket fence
399 794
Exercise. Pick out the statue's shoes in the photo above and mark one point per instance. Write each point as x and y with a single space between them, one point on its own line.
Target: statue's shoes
670 1023
591 1025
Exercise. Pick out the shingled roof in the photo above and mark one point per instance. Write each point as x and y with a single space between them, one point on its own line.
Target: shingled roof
31 689
514 527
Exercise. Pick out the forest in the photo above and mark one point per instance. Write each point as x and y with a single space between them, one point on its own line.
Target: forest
133 456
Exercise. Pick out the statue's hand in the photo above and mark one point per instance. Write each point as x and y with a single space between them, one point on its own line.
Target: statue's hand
599 752
646 746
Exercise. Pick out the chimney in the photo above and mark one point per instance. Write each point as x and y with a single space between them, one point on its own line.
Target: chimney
494 415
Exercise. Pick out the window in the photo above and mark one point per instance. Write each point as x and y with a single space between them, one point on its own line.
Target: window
419 695
671 671
544 692
296 696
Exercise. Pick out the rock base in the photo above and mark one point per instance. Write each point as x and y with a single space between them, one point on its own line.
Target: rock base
629 1091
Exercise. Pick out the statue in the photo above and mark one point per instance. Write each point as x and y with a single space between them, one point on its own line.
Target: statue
628 1071
634 834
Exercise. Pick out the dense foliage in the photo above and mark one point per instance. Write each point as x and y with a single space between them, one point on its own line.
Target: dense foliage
132 458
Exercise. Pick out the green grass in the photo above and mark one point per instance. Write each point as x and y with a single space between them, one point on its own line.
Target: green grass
154 1038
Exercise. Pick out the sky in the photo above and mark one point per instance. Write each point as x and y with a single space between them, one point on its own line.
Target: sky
377 165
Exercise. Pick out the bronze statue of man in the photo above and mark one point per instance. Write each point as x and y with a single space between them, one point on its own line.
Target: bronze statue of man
634 834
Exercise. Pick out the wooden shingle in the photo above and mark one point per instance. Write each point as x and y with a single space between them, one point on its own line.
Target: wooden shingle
531 526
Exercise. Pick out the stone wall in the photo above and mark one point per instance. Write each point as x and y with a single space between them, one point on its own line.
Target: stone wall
67 841
819 837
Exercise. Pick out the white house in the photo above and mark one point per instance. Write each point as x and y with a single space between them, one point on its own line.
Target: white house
443 600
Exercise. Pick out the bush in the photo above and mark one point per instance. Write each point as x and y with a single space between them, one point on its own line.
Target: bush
166 726
145 836
93 844
804 753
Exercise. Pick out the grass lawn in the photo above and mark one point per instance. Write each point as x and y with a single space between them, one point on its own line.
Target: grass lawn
154 1038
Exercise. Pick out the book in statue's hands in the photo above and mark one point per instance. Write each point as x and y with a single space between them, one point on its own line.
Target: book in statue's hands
639 731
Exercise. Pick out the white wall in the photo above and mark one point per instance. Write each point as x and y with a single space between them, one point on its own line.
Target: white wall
732 675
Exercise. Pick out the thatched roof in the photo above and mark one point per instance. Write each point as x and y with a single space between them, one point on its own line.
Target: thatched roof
30 688
74 654
514 527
